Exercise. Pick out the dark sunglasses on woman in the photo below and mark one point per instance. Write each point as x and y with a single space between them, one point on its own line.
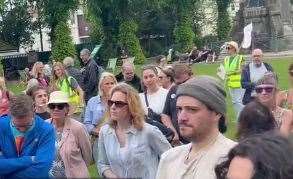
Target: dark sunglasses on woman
118 104
266 89
60 106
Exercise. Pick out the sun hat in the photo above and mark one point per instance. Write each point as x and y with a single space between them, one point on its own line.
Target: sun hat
234 44
58 97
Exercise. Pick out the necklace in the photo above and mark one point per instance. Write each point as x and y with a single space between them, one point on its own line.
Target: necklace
278 114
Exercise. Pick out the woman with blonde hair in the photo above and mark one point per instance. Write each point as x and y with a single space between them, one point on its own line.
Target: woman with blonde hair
129 147
94 116
4 98
38 74
62 82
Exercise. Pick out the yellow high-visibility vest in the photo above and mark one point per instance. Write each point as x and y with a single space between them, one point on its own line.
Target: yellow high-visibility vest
233 73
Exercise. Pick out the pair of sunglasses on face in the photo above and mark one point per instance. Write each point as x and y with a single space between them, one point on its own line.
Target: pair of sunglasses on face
266 89
229 48
59 106
118 104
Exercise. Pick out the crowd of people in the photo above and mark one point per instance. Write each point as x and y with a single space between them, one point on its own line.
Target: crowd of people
164 123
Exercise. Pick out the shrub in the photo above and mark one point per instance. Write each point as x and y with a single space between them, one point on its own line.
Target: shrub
62 46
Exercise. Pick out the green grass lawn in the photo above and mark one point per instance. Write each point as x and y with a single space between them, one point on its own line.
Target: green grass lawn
280 66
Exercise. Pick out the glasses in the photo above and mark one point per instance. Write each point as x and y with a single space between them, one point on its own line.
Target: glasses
266 89
22 126
60 106
256 55
118 104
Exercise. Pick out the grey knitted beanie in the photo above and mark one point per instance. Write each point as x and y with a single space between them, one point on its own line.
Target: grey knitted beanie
207 90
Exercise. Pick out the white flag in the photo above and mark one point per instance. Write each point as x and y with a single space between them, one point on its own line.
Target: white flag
247 36
221 72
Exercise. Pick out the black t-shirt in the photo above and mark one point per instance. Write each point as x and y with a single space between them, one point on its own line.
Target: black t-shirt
135 82
44 115
170 110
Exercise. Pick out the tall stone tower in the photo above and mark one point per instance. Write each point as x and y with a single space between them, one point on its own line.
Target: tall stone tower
272 23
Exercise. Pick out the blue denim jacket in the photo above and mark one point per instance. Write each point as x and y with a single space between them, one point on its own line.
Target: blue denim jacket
94 113
141 157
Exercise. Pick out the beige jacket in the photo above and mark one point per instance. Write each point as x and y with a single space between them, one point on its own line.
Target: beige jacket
75 150
172 164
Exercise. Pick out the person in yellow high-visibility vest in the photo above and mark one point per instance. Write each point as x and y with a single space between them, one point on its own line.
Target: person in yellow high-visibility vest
233 67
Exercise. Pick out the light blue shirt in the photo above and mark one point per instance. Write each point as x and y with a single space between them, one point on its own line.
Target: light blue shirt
140 156
94 113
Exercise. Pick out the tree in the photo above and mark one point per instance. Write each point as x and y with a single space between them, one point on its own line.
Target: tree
223 22
62 46
115 15
16 24
128 39
183 32
51 12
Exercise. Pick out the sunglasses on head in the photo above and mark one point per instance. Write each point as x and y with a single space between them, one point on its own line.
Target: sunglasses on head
268 89
118 104
60 106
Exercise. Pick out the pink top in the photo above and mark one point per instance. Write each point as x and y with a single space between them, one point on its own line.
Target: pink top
4 102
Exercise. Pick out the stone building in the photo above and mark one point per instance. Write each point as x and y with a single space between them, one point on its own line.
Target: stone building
272 23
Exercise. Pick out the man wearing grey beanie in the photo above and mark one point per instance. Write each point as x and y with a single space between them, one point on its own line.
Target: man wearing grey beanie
201 109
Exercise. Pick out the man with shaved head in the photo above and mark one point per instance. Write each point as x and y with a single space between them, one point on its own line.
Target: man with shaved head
252 72
128 76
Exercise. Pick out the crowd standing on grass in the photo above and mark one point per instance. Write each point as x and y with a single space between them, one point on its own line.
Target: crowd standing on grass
169 123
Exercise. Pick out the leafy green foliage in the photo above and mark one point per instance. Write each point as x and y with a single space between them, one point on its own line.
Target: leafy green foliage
96 28
15 24
183 32
54 11
128 39
184 36
223 22
63 46
114 14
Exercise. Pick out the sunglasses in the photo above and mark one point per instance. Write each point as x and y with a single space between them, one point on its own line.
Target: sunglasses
118 104
60 106
266 89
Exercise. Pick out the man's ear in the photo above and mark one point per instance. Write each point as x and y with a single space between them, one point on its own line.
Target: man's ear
218 116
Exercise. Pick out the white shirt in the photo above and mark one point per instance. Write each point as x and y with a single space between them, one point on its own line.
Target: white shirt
156 100
256 73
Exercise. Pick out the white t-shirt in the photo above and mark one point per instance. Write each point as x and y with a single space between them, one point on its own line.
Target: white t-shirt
156 100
